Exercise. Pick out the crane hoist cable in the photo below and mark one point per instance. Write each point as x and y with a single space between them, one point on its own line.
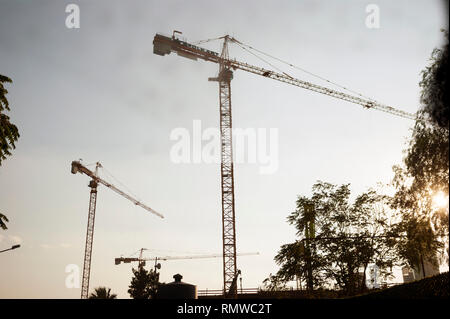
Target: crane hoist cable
327 91
119 182
265 61
300 68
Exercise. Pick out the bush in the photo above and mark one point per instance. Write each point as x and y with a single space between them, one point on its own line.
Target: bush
428 288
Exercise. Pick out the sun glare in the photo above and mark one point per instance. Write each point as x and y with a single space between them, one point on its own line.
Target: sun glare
440 200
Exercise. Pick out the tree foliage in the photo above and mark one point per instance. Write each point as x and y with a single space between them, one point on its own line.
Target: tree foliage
9 133
434 97
274 283
102 293
425 170
144 284
348 237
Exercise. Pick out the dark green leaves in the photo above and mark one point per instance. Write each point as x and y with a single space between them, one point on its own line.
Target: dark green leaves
9 133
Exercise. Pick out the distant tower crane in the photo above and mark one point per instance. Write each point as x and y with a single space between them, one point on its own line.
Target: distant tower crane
141 260
163 45
229 293
77 167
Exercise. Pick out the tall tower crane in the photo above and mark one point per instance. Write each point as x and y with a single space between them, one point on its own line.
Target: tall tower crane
163 45
77 167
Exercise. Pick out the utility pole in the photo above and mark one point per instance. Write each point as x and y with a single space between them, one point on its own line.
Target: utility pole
309 235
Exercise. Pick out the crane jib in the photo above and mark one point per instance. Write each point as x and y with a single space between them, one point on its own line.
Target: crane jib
163 45
78 167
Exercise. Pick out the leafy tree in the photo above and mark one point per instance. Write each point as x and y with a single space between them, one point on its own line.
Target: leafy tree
434 95
144 284
102 293
375 234
295 263
9 133
425 171
346 237
419 242
274 283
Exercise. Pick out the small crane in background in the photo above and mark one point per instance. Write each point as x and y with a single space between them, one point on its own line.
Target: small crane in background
141 260
77 167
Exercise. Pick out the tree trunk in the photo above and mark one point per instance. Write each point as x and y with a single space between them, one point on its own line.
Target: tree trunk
363 283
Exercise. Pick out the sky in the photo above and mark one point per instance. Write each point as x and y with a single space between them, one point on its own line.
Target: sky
98 93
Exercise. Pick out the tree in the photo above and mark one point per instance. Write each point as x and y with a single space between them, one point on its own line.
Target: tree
144 284
9 133
337 238
102 293
375 233
296 264
274 283
434 95
425 171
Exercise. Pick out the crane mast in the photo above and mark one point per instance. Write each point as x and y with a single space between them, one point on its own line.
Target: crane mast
95 179
226 170
89 236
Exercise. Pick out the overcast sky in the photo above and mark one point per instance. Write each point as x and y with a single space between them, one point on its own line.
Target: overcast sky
100 94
